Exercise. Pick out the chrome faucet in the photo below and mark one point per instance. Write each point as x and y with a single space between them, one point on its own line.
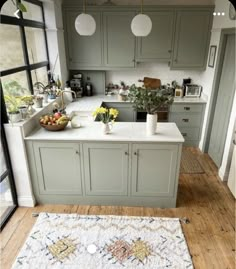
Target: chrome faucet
63 101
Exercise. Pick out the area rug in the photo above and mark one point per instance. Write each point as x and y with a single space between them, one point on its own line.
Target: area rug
189 163
104 242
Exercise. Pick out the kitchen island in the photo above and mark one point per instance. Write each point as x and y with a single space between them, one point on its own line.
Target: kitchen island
125 167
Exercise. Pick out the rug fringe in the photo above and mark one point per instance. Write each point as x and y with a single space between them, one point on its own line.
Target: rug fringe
185 220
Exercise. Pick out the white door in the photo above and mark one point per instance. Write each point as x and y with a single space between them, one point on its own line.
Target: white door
224 103
232 172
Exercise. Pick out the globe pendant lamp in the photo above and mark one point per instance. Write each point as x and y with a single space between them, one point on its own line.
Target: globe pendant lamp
85 24
141 24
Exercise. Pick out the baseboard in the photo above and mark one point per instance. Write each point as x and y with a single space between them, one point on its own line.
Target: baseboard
223 176
27 201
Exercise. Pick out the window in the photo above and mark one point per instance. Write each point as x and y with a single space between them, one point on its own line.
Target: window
23 61
23 49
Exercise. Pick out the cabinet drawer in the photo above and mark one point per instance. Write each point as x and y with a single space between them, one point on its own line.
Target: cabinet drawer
183 120
186 108
190 133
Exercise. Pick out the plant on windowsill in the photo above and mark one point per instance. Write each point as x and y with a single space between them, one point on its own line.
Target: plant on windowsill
151 101
107 116
12 104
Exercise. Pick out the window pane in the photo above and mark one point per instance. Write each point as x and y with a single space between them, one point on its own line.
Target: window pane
3 166
40 75
36 45
34 12
6 199
15 84
8 8
11 53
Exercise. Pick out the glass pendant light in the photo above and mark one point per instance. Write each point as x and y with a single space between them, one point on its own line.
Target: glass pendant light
141 24
85 24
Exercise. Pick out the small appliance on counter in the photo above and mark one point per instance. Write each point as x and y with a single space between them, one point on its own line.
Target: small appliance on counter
193 90
185 82
76 85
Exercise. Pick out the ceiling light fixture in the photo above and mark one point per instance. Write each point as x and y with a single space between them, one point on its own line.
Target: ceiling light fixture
85 24
141 24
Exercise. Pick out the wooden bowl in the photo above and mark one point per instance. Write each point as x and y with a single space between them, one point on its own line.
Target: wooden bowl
54 128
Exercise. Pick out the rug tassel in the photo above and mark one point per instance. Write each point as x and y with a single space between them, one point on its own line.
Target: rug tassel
35 214
185 220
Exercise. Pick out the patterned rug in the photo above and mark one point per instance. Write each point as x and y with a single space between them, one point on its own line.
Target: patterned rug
74 241
189 163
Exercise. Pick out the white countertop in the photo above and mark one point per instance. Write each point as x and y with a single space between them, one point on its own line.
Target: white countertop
92 102
122 131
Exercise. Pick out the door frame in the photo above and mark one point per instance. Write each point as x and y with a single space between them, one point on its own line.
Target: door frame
215 86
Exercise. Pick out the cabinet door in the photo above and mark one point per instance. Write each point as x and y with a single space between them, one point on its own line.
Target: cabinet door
98 179
119 42
83 51
192 36
154 169
158 44
126 111
58 168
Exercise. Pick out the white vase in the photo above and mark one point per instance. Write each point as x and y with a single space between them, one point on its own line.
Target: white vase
106 127
151 124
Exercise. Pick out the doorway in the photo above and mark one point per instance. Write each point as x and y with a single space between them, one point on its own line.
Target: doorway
224 95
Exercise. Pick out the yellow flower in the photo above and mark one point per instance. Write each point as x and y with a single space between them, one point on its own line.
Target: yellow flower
106 115
113 112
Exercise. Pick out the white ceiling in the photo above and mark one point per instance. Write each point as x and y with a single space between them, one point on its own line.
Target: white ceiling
151 2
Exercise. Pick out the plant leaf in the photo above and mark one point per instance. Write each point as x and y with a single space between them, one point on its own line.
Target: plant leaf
22 7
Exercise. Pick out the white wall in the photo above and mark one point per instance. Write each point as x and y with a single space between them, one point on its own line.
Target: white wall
55 37
219 23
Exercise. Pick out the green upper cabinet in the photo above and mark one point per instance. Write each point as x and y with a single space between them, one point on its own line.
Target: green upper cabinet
83 51
192 36
119 41
158 44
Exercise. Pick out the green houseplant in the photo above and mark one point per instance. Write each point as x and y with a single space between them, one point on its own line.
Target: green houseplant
149 100
12 104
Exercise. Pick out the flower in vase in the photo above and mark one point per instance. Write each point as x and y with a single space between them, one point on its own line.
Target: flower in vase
106 115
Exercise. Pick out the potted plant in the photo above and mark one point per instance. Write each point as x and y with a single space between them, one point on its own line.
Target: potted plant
12 104
107 116
38 101
41 90
149 100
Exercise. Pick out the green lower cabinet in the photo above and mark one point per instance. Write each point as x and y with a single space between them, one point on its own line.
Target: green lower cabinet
57 168
154 170
105 173
106 168
126 111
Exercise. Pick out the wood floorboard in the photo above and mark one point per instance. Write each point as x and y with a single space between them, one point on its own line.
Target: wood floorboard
202 198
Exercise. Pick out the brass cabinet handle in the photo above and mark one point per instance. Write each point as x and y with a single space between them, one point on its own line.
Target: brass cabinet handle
169 51
126 153
135 153
185 120
186 108
184 134
77 152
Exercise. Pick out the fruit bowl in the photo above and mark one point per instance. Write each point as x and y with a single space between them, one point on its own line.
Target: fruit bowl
54 128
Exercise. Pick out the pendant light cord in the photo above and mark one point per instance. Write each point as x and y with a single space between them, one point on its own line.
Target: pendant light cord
84 6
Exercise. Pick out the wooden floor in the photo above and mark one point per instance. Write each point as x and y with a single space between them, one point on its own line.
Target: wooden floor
202 198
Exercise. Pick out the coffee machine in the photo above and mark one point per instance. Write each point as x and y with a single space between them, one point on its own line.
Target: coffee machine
76 84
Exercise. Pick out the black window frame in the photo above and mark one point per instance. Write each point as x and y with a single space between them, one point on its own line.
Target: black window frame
27 67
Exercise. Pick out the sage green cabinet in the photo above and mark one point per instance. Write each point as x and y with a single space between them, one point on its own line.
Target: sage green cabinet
83 51
126 111
189 119
119 41
191 42
154 170
57 168
158 44
106 168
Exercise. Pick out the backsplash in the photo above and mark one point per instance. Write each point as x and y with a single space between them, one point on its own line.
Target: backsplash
154 70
